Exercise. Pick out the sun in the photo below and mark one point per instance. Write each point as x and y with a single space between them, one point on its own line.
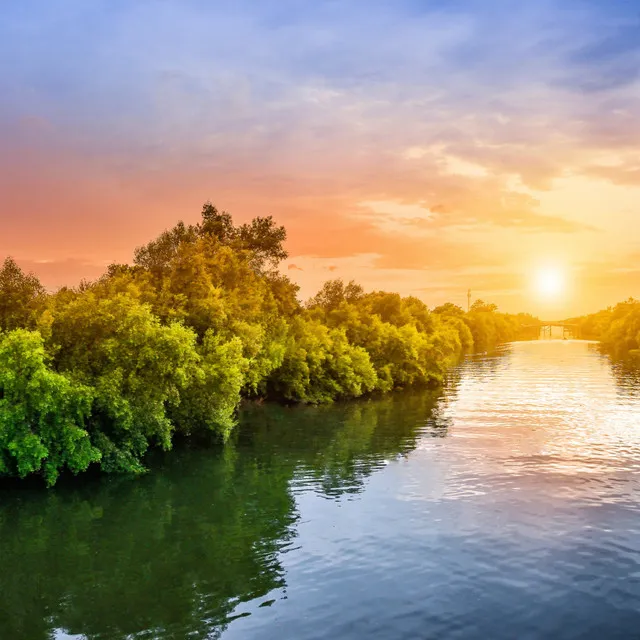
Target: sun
550 282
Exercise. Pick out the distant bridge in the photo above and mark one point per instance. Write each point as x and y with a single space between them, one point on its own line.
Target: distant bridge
545 326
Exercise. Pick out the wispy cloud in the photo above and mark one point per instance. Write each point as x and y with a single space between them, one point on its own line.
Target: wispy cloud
459 116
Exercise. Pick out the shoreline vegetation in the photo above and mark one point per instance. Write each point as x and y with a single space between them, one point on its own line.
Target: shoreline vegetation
170 345
616 328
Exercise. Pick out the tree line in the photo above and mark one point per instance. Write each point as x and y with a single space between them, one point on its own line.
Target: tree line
171 344
617 328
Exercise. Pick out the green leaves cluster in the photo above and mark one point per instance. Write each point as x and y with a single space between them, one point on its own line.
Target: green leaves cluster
617 328
320 365
136 366
21 297
43 414
202 319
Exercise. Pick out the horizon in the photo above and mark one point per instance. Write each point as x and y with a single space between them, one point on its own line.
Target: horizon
304 298
419 150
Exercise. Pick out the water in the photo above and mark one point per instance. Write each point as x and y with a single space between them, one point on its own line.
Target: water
504 506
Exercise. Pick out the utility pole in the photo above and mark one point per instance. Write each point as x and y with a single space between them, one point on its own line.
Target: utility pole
468 300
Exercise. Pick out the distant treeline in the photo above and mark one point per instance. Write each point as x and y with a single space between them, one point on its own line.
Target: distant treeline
203 318
617 328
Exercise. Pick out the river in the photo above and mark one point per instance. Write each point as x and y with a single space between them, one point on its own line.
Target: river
506 505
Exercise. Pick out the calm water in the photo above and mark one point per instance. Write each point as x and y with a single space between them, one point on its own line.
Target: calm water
505 506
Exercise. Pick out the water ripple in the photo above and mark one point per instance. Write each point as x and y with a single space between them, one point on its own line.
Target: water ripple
522 522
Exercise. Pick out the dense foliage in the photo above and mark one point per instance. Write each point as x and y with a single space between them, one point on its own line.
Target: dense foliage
42 413
203 318
617 328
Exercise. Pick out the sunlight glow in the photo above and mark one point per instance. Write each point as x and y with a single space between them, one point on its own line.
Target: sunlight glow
550 282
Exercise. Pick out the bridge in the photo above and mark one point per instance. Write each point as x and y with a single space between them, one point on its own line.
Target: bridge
570 329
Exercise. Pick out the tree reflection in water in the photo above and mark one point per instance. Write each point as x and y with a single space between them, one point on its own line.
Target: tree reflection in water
172 554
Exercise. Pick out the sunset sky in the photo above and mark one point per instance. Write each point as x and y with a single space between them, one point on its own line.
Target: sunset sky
420 147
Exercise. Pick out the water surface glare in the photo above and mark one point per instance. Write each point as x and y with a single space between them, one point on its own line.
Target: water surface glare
504 506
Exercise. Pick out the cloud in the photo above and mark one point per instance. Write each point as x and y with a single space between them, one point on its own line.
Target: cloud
293 267
625 174
423 134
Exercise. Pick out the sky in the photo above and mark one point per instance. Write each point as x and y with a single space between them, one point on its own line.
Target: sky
414 146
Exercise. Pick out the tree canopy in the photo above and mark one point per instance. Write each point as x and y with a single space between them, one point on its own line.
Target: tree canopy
21 297
203 318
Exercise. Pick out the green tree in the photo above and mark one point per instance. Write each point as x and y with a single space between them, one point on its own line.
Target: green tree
22 297
262 238
334 292
42 413
136 366
622 336
265 240
449 309
203 318
210 400
320 366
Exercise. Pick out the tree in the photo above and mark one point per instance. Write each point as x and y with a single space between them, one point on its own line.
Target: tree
217 224
42 413
320 366
202 319
210 400
622 336
334 292
157 255
262 238
449 309
480 306
136 366
21 297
